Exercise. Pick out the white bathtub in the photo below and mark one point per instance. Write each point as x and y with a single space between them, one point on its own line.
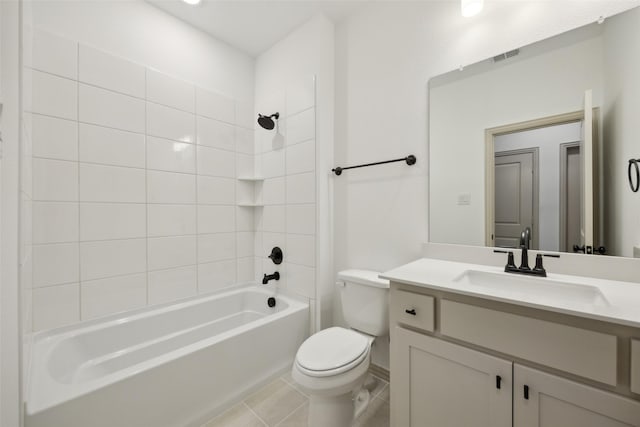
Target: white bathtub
175 365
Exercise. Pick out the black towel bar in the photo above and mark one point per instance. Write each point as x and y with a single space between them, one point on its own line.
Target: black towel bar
410 159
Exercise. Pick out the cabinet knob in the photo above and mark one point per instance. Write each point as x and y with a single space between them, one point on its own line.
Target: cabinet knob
411 312
526 392
498 382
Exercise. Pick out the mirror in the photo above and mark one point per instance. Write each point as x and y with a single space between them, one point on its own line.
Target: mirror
532 146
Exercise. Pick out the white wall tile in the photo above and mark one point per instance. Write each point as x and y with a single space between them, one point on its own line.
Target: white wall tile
109 221
245 219
244 113
245 165
55 264
54 96
100 183
54 54
171 220
54 138
244 245
167 155
112 258
215 105
216 219
170 188
217 134
301 280
111 146
269 241
301 219
106 108
216 247
169 123
167 90
113 295
245 270
55 222
273 219
301 249
55 180
273 163
301 127
246 192
216 191
244 141
273 191
173 284
301 157
216 275
214 162
108 71
301 188
300 95
56 306
169 252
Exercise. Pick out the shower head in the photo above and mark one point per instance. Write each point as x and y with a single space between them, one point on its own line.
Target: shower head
266 121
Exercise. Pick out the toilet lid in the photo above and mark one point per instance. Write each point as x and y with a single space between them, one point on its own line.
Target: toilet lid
332 349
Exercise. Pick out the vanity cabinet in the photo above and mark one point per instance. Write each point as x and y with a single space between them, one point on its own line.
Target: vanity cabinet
436 383
471 365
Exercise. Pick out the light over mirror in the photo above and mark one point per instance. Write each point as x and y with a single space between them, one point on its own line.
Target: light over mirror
532 146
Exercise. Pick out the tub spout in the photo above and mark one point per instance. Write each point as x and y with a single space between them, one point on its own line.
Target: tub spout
267 277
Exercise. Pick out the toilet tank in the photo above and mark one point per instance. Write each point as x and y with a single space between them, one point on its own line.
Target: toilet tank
365 301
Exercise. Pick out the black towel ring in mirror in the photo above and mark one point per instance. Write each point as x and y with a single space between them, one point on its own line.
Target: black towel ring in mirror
633 164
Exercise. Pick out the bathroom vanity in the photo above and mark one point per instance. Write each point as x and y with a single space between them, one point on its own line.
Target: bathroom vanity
472 345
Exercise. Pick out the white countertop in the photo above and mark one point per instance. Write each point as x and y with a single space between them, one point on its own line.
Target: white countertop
616 302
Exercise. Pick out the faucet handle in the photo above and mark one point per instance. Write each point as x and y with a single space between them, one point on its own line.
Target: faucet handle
511 264
539 269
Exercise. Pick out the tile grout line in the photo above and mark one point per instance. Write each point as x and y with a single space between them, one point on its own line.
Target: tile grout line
306 400
197 260
254 414
146 192
77 123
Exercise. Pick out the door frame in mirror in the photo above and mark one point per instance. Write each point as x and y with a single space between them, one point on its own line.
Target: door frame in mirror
489 149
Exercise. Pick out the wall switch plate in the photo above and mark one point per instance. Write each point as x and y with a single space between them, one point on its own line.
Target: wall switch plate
464 199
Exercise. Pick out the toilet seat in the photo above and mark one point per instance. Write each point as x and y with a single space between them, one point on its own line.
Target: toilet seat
332 351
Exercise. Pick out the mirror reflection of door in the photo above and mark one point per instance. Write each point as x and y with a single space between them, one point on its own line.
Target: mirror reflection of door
570 195
516 177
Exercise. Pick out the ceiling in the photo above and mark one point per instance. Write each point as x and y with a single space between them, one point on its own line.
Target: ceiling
253 26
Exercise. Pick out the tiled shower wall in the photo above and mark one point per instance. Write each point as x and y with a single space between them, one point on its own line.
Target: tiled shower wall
286 159
134 185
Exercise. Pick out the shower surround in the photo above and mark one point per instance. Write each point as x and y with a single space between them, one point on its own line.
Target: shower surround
134 185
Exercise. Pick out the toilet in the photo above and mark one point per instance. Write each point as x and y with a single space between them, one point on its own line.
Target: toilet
332 365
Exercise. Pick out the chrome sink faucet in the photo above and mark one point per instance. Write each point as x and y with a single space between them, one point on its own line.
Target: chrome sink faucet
524 268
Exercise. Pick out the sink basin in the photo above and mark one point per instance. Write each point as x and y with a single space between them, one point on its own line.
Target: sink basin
533 289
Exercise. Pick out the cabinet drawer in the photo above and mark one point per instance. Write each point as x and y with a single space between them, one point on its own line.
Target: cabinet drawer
635 366
578 351
414 310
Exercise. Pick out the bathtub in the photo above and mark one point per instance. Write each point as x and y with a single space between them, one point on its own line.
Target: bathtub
173 365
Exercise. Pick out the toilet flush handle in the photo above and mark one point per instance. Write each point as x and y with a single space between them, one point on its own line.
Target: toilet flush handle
411 312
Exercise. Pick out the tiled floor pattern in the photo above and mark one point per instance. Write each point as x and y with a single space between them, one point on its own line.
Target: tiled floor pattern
281 404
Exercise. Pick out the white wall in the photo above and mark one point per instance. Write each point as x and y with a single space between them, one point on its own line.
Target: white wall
384 59
548 141
134 164
622 105
284 77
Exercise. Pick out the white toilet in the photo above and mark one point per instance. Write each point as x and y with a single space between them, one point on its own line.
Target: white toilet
331 366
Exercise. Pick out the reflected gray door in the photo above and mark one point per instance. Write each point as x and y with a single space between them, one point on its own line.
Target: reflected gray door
514 197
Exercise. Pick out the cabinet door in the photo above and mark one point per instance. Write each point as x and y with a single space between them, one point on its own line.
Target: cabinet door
438 384
556 402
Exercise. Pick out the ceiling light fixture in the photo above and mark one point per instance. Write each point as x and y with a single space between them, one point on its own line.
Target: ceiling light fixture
192 2
470 7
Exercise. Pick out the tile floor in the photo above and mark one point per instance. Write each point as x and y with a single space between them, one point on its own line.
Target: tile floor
281 404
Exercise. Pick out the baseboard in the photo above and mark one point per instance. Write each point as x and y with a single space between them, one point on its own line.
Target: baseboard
379 372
